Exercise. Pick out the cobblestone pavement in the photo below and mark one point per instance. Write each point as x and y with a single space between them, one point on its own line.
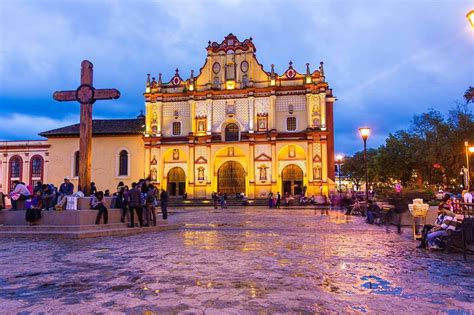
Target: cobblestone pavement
237 261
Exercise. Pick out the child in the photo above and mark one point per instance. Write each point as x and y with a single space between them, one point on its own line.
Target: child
33 214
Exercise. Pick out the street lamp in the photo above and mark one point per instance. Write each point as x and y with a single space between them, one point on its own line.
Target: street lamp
339 159
470 17
364 133
469 149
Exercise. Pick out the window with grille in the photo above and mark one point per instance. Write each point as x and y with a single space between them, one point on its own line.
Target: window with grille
231 132
15 167
76 163
36 167
176 128
123 163
291 123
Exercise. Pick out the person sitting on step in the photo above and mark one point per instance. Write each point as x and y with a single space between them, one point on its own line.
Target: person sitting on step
97 203
20 192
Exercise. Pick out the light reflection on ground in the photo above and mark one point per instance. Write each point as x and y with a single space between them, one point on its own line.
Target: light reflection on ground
233 261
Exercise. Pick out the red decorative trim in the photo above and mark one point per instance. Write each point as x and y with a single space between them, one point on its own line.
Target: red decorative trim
31 168
231 42
23 147
201 160
10 170
317 158
263 157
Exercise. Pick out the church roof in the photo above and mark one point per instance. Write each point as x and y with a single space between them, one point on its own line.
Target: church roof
101 127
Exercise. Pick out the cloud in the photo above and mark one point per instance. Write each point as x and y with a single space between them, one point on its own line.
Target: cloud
386 60
23 127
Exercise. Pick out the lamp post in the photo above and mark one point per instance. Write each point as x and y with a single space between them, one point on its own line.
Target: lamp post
469 149
364 133
339 158
470 17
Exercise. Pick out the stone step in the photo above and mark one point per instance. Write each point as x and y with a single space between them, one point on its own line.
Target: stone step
181 203
19 228
113 231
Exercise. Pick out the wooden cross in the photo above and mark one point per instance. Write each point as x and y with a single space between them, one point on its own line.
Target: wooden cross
86 94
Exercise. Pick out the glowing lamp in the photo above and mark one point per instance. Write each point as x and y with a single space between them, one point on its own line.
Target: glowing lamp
470 17
364 132
230 85
272 82
191 87
471 149
308 80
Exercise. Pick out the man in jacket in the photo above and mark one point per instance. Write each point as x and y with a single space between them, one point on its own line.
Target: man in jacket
164 204
65 190
135 204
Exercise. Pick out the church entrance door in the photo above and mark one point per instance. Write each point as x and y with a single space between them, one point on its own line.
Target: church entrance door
231 178
292 180
176 182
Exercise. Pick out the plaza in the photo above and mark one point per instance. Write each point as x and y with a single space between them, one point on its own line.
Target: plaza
237 260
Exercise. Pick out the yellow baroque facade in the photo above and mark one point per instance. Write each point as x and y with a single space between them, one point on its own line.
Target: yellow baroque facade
235 127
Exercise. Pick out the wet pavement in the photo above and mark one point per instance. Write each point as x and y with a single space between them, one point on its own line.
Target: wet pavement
237 261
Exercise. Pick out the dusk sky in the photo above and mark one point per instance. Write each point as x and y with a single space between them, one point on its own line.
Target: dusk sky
385 60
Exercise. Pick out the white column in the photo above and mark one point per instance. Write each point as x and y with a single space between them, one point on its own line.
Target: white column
324 158
309 109
322 104
209 116
159 110
272 114
4 173
251 113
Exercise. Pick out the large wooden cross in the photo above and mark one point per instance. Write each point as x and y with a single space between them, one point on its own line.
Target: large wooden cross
86 94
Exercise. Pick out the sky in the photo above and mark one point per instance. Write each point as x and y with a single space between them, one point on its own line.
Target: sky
386 60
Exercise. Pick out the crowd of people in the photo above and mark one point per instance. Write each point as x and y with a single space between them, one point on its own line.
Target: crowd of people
141 200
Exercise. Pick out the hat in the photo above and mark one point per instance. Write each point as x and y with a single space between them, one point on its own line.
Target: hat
66 178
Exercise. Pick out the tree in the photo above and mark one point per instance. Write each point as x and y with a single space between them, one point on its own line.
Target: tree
397 158
354 167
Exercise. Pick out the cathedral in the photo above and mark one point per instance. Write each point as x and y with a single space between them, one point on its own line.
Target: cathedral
231 127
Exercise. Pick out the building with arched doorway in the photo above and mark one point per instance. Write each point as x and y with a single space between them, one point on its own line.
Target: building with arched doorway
233 127
236 127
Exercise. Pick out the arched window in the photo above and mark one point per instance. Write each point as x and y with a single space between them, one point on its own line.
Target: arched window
77 159
231 132
15 169
123 163
176 128
36 170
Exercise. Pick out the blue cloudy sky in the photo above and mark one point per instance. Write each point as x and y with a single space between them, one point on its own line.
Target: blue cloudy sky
385 59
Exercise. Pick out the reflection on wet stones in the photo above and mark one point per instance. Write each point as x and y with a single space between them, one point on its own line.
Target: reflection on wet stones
246 261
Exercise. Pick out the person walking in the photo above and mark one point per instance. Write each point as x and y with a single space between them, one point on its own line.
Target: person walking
97 203
270 200
278 200
121 201
164 204
150 213
135 205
